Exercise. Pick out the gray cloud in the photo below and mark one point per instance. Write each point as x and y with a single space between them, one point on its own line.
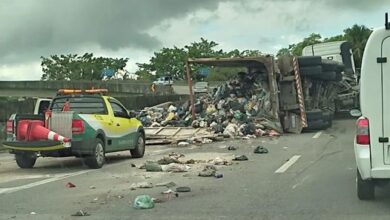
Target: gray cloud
30 29
361 5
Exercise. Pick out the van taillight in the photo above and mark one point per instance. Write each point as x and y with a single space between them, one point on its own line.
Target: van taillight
10 126
78 126
363 133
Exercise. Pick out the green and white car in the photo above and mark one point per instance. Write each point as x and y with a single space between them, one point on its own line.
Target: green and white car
95 124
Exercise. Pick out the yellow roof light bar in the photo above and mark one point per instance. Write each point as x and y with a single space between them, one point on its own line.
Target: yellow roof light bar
79 91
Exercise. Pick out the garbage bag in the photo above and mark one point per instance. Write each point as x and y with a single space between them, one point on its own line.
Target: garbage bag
143 202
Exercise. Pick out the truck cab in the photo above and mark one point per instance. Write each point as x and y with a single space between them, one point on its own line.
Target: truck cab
371 144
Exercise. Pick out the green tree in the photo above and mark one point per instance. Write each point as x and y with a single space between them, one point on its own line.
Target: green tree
78 67
358 36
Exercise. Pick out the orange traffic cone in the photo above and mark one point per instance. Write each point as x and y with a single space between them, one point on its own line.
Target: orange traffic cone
38 132
22 130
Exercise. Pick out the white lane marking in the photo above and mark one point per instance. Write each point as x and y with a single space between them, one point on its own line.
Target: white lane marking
300 182
318 134
38 183
288 164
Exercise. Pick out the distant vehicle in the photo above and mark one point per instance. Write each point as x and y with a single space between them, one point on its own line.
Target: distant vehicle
371 145
84 124
201 87
164 81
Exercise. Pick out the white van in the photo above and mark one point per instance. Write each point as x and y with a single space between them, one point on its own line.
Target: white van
371 145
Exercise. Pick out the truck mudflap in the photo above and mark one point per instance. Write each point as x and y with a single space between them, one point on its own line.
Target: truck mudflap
35 145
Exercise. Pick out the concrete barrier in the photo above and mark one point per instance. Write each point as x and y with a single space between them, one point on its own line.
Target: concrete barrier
26 105
49 88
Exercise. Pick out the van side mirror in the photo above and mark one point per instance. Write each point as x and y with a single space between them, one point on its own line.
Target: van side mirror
355 113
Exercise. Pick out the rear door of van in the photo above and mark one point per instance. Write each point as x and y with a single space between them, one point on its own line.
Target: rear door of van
385 74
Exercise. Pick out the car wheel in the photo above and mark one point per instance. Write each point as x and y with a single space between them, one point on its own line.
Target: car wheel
98 158
26 160
139 149
365 188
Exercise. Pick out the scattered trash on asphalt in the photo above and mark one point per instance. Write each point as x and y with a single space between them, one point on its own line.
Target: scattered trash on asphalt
120 197
96 199
208 171
81 213
157 200
176 168
260 150
218 175
143 202
152 166
92 187
220 161
142 185
133 165
70 185
232 148
169 191
168 160
190 161
166 184
33 213
240 158
183 144
183 189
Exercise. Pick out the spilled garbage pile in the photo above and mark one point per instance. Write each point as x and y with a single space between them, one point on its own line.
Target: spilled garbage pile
240 107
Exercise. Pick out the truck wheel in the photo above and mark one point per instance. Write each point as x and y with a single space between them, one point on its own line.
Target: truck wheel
365 188
26 160
139 149
310 71
96 160
309 60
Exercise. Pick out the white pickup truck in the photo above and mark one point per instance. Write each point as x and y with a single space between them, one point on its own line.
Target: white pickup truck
164 81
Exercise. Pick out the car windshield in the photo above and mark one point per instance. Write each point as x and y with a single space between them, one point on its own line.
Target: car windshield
194 109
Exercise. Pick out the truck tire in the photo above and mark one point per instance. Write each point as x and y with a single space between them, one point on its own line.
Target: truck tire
310 71
314 115
330 65
309 61
25 160
317 125
139 150
365 188
98 158
325 76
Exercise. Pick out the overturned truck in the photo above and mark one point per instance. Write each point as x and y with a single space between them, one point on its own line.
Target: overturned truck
295 93
253 97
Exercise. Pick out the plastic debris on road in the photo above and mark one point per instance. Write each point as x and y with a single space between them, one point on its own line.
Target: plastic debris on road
166 184
143 202
152 166
240 158
176 168
183 189
81 213
70 185
208 171
260 150
142 185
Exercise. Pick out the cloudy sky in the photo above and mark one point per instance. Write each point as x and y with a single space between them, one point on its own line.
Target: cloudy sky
137 28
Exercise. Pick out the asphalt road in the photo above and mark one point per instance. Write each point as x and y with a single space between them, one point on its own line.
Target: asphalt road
307 176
